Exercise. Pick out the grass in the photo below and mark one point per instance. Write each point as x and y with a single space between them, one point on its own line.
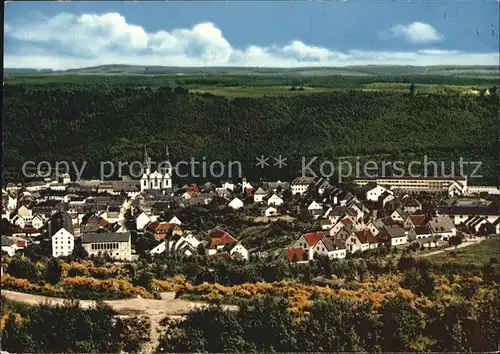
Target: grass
258 91
475 254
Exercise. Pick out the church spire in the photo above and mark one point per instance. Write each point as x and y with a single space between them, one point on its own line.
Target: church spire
167 155
145 152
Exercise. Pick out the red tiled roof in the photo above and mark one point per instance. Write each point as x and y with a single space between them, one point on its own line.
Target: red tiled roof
295 254
313 238
29 230
365 236
165 226
21 243
103 222
418 220
217 233
222 241
347 221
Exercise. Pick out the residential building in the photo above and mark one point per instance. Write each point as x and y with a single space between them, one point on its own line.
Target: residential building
413 184
301 184
258 196
330 248
362 240
236 203
275 200
63 243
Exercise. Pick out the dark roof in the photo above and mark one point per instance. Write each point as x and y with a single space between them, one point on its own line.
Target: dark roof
365 236
105 237
394 231
7 241
468 210
332 245
422 230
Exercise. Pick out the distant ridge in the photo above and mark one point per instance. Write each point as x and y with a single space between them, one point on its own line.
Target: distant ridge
369 70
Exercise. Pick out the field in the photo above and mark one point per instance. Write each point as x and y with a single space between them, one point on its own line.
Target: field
475 254
258 91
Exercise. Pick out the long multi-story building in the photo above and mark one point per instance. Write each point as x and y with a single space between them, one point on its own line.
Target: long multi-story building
413 184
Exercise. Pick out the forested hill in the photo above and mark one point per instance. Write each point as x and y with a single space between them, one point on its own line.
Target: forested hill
96 126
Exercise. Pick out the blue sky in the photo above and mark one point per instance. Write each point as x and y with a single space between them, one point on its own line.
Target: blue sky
62 35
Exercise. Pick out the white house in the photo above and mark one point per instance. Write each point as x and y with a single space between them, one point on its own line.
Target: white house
270 211
356 210
361 241
397 216
141 220
275 200
175 220
37 221
258 196
301 184
236 203
395 235
63 243
315 209
239 251
373 194
9 246
340 224
442 227
330 248
373 228
229 186
308 241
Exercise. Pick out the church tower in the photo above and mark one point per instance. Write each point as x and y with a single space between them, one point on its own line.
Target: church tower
166 171
146 170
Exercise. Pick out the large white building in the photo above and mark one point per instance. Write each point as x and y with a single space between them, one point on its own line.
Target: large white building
63 243
455 186
161 178
116 245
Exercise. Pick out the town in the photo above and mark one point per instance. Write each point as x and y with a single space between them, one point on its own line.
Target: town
298 221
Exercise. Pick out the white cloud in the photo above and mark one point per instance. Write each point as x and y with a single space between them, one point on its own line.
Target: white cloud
416 32
68 41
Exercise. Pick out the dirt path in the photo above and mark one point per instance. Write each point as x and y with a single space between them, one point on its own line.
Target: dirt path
155 310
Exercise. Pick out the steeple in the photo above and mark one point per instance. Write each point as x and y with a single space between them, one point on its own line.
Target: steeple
167 155
147 161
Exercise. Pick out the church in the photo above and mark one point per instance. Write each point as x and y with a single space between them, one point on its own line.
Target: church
161 178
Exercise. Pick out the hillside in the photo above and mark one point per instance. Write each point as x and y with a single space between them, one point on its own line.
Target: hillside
489 72
98 126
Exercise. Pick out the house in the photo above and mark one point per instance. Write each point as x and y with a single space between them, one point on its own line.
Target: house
326 224
362 240
277 186
344 232
37 221
300 185
386 197
338 212
9 246
356 210
413 221
187 195
373 228
340 224
330 248
236 203
374 191
315 209
258 196
228 186
117 245
63 243
218 239
163 230
411 205
442 227
308 241
175 220
398 216
239 252
296 254
393 235
322 186
141 220
419 232
275 200
270 211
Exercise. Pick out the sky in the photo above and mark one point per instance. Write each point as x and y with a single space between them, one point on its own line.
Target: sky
63 35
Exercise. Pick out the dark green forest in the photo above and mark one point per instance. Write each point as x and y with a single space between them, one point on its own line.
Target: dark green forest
93 126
